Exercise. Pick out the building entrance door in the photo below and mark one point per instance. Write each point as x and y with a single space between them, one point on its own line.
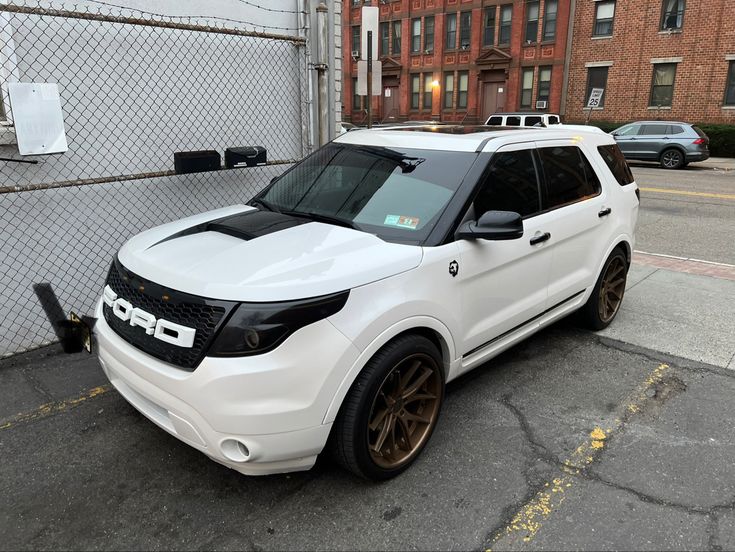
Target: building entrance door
390 103
493 98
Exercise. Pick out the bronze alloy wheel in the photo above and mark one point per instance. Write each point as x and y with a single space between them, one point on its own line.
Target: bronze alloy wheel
404 411
612 289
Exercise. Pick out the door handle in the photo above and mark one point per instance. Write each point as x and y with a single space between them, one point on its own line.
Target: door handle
539 239
604 212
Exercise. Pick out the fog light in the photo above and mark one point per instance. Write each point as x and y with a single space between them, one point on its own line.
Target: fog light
235 450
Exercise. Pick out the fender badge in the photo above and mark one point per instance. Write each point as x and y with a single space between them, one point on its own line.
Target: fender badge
454 268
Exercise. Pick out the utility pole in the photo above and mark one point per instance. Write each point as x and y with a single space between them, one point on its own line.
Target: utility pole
370 79
321 69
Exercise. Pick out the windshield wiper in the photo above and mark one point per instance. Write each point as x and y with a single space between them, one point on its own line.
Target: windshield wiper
318 217
257 202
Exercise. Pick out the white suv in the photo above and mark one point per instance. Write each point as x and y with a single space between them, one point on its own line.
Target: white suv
338 303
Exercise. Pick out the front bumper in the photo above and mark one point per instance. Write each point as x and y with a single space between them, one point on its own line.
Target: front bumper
272 404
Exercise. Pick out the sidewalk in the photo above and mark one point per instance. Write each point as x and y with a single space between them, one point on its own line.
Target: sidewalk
716 163
679 306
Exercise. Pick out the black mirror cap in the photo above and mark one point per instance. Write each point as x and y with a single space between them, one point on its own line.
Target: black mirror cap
493 225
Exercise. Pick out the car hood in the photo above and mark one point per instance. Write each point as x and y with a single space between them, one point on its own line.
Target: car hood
242 254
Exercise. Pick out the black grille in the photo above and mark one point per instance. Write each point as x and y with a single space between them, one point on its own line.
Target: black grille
204 315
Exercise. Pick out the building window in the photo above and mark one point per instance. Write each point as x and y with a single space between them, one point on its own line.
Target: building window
448 90
465 29
550 9
428 91
429 35
730 86
415 36
526 88
356 39
356 98
415 91
396 38
673 15
462 88
506 21
604 15
384 39
450 42
662 85
531 21
488 31
544 84
596 78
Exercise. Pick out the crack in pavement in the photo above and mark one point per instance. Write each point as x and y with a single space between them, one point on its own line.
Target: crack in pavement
528 519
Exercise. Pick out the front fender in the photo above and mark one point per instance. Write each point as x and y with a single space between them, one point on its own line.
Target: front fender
448 353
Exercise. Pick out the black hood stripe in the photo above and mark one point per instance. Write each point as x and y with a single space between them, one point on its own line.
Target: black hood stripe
245 226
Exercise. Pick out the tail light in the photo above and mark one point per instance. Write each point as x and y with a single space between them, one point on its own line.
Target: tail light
699 141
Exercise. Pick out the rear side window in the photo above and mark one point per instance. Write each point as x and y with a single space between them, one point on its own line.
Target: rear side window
653 130
511 185
495 121
569 176
700 132
674 129
532 120
553 120
615 160
513 121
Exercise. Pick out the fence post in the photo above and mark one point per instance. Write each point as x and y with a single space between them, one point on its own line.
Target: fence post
321 68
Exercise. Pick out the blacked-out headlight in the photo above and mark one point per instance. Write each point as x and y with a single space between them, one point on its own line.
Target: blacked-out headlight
256 328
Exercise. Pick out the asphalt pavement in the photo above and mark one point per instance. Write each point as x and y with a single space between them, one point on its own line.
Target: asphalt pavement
623 439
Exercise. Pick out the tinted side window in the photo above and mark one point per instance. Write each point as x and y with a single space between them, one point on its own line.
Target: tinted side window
615 160
674 129
511 185
553 120
495 121
630 130
651 130
569 176
513 121
532 120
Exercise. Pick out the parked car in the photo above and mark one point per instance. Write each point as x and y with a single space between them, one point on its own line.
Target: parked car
672 143
523 118
339 302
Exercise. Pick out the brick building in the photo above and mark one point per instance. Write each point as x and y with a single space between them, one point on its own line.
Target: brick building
459 60
656 59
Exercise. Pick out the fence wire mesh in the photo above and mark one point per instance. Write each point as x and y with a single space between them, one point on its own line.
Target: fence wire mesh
133 92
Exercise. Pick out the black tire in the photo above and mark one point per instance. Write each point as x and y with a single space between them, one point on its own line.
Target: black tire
672 158
596 314
351 439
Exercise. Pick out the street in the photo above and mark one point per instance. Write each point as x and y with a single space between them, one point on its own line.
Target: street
617 440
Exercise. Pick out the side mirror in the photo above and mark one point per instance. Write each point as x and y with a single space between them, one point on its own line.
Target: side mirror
493 225
614 133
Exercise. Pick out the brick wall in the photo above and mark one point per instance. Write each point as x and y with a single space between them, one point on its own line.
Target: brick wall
443 60
706 39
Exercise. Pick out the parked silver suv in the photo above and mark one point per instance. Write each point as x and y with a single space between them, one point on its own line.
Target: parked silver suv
673 144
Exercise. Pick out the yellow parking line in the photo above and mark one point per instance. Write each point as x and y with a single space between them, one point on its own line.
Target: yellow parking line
54 407
529 519
688 193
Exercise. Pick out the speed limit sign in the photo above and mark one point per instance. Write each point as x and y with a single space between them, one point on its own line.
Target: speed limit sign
595 97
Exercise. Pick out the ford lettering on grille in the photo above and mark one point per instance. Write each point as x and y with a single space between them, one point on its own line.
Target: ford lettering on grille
165 330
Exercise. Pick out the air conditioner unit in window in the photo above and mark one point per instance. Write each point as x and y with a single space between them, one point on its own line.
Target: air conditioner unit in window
355 54
541 104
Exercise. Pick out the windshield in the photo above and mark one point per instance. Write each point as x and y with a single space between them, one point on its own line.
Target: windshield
397 194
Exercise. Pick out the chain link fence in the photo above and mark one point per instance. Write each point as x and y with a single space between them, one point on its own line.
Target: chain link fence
134 90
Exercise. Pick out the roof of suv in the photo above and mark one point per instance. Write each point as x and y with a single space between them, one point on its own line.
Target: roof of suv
659 123
463 138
